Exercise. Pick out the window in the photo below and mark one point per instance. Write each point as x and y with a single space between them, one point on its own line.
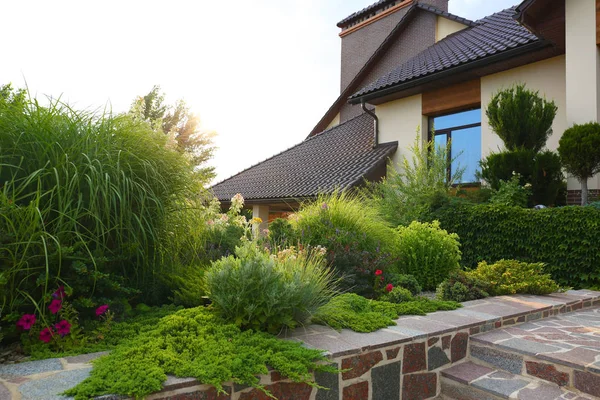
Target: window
463 131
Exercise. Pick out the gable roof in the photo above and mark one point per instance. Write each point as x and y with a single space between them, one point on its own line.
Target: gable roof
492 35
377 55
338 158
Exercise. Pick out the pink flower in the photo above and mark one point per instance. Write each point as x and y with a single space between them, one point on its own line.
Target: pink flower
63 327
26 322
378 272
60 293
101 310
389 287
55 306
324 206
46 335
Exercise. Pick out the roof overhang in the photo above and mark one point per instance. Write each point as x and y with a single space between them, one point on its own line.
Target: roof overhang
545 18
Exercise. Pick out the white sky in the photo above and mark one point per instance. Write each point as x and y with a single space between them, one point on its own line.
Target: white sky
260 73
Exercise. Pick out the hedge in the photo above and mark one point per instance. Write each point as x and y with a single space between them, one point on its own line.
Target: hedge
566 239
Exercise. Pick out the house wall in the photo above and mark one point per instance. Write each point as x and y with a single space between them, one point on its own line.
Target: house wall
400 120
446 27
334 122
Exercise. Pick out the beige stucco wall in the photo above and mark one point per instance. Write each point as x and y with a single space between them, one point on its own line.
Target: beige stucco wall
399 121
445 27
334 122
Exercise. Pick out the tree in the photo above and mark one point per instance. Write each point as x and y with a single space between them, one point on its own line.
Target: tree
521 118
180 124
579 149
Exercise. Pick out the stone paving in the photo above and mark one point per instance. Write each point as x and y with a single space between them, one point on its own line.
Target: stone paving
404 361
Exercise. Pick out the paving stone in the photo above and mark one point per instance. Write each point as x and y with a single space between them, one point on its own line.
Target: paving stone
466 372
374 340
542 392
331 343
455 319
576 358
392 353
281 390
419 386
500 387
85 358
458 348
358 391
509 362
436 358
329 381
360 364
446 342
424 325
414 359
50 388
4 392
498 309
587 382
385 381
492 336
453 390
174 382
31 367
527 346
547 372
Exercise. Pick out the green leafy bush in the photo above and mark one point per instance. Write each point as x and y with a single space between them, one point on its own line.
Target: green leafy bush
282 233
521 118
405 281
461 286
255 290
355 312
428 252
579 149
413 186
565 239
196 343
511 193
397 295
357 239
512 277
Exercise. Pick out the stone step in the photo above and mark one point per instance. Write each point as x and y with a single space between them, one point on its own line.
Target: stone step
564 350
470 381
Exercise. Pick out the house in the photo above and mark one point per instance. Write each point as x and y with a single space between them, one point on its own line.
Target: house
407 64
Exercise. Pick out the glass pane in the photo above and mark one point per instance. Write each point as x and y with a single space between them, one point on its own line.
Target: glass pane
441 140
458 119
467 143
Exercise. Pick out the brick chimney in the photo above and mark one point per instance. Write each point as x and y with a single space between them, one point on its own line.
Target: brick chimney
364 31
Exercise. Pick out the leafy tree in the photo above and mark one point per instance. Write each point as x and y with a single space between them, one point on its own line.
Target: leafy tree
521 118
180 124
579 149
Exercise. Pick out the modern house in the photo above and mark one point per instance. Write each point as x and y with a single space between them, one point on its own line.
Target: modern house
407 64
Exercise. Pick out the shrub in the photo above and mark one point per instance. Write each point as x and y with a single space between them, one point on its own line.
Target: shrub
542 170
88 200
357 239
397 295
355 312
417 182
405 281
461 286
565 238
196 343
281 233
579 149
512 277
428 252
511 193
258 291
521 118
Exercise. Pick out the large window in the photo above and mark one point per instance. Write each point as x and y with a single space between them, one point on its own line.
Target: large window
463 132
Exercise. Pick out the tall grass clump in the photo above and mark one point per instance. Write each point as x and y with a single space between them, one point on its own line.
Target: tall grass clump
98 202
357 238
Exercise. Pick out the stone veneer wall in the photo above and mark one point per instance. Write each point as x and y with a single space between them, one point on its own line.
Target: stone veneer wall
574 196
404 369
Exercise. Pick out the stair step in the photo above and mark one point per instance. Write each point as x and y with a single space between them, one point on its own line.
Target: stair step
470 381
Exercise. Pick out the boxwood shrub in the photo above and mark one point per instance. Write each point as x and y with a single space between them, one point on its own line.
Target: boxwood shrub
565 239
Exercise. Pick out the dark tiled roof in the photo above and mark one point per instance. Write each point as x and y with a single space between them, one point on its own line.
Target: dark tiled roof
490 36
445 14
337 158
365 11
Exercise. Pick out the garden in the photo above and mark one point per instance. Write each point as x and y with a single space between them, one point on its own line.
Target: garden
109 241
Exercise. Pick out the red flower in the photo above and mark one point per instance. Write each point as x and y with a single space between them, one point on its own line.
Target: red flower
46 335
389 287
378 272
60 293
26 321
55 306
101 310
63 327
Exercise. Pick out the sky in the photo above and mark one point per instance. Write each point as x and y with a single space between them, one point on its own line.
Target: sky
259 73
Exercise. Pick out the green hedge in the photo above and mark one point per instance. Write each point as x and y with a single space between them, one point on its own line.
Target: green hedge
567 239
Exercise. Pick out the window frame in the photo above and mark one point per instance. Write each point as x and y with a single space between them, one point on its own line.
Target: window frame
448 132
